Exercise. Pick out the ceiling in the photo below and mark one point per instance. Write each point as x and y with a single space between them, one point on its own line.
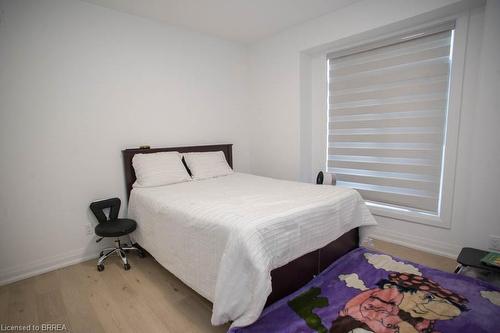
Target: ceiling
238 20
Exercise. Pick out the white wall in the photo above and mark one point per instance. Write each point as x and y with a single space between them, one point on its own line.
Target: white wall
79 83
284 130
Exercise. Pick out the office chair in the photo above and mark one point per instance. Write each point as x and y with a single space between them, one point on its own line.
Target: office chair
113 226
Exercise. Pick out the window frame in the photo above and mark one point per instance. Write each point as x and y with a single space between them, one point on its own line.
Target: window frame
452 125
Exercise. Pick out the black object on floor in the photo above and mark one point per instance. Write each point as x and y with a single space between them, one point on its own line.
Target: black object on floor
470 257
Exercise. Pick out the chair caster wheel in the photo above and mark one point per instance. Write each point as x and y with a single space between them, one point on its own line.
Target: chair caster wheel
100 268
142 254
126 267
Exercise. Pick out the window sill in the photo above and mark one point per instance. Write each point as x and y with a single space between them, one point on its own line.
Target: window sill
408 215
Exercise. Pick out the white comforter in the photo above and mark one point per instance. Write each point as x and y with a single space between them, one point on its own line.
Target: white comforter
223 236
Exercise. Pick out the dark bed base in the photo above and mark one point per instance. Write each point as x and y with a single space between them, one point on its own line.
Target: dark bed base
285 279
291 277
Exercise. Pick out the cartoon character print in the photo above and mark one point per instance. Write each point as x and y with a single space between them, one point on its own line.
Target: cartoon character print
404 303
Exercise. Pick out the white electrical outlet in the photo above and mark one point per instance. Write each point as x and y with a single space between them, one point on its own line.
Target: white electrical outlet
89 229
495 243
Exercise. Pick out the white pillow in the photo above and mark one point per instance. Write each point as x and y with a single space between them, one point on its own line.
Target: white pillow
207 165
157 169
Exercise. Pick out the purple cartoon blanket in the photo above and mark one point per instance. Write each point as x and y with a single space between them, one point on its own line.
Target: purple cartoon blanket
366 291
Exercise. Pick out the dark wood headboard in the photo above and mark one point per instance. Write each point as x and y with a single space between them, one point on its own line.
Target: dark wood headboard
128 154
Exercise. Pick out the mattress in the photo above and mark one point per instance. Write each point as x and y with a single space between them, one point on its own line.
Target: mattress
223 236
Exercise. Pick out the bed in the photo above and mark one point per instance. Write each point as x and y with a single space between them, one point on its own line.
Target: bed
243 241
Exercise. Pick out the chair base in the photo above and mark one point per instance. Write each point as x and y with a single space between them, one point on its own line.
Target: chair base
121 251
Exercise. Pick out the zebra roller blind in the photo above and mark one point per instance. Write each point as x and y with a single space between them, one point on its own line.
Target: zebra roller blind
387 120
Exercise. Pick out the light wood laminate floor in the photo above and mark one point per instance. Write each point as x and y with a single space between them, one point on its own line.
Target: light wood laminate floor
147 298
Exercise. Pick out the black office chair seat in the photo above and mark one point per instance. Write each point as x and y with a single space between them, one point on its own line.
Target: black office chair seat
116 228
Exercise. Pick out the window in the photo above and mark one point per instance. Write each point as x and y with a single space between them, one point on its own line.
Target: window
387 119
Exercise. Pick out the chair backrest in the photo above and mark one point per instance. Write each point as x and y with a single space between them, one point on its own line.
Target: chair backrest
98 209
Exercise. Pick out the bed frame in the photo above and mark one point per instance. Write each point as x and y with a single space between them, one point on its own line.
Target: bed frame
285 279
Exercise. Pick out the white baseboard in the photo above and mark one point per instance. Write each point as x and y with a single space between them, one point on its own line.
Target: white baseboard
37 267
416 242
